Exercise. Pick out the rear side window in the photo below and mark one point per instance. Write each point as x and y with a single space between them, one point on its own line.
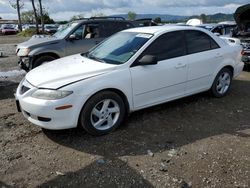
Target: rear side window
198 41
109 28
169 45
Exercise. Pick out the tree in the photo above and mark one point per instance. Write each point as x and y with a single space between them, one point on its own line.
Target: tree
157 20
98 14
41 14
203 17
131 15
77 17
28 17
35 14
18 6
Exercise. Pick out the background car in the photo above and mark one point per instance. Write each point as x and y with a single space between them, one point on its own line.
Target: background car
8 29
51 29
71 39
131 70
224 28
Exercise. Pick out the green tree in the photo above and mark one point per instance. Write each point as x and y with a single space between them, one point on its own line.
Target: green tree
28 17
203 17
157 20
131 15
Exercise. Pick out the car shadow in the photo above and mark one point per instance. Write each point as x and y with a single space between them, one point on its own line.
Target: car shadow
166 126
110 173
7 89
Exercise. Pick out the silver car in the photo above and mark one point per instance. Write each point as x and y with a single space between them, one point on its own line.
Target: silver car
75 37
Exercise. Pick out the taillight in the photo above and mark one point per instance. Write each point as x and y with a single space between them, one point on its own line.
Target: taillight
242 52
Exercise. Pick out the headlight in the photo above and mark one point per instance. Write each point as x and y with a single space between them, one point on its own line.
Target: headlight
23 51
48 94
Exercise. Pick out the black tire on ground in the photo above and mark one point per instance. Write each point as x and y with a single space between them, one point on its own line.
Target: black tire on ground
222 83
103 107
40 60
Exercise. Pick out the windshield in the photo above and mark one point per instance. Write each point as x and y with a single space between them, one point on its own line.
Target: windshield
119 48
64 31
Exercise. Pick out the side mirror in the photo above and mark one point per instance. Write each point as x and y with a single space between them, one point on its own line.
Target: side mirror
148 60
217 34
73 37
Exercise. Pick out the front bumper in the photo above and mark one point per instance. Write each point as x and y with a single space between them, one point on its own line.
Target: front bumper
25 63
43 112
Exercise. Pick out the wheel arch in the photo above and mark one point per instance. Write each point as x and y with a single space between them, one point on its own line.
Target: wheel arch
115 90
55 55
118 92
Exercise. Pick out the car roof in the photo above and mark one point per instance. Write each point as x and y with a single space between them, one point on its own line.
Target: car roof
162 29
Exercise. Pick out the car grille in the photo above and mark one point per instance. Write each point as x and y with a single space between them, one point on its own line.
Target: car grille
24 89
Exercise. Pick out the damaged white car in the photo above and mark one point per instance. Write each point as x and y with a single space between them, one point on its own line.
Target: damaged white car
131 70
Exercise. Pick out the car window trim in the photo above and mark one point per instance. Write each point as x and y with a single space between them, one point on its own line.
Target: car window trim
135 63
211 39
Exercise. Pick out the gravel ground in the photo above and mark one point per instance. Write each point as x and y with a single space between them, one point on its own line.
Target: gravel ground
198 141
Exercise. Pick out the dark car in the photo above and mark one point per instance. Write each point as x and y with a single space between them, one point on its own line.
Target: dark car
242 18
51 29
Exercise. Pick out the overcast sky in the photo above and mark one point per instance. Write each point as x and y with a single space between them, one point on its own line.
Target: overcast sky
65 9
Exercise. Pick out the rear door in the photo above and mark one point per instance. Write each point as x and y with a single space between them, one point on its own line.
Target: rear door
203 57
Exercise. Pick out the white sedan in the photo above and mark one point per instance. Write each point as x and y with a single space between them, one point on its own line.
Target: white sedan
131 70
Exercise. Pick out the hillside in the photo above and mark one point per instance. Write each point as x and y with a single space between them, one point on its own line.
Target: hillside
176 18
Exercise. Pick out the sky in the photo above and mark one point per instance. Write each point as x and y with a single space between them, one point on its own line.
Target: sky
65 9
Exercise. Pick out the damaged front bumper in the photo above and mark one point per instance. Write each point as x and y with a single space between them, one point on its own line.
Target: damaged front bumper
25 63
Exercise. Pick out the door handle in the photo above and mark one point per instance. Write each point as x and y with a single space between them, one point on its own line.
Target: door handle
180 65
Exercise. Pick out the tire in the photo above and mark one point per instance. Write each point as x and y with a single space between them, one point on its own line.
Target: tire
40 60
222 83
102 113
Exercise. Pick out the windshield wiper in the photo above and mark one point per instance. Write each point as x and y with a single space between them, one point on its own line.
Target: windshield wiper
94 58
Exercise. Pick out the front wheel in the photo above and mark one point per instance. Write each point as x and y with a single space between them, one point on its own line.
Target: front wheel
222 83
102 113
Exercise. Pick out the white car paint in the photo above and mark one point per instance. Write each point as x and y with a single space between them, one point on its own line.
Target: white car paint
143 86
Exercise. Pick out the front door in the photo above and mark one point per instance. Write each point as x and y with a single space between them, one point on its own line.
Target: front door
86 37
153 84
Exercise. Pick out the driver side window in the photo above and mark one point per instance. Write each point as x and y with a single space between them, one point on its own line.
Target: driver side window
79 32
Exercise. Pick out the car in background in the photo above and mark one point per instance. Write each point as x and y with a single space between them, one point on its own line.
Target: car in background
207 26
144 22
75 37
242 32
51 29
224 28
8 29
131 70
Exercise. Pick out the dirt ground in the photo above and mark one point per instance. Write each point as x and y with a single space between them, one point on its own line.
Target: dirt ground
198 141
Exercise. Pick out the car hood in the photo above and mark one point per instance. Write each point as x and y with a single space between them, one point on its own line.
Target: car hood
65 71
242 16
38 40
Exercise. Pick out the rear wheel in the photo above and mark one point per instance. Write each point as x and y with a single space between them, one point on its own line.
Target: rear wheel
102 113
43 59
222 83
